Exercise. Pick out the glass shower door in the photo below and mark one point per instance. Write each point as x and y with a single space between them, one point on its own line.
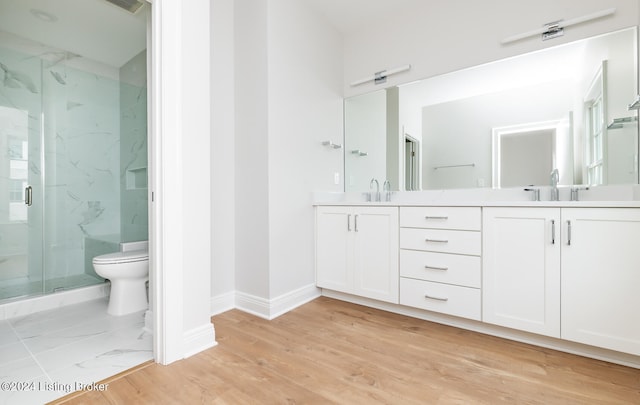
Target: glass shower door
20 176
73 161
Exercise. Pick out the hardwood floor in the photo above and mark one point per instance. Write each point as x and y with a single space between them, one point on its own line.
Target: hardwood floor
329 351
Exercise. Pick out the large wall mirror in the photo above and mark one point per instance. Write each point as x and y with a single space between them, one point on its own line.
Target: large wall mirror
508 123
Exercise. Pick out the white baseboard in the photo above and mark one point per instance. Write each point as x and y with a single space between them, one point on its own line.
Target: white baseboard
199 339
262 307
257 306
223 303
291 300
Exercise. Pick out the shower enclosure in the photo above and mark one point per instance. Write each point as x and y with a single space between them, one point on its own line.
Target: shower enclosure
73 164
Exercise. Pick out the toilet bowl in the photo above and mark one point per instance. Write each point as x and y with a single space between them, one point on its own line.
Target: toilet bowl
128 272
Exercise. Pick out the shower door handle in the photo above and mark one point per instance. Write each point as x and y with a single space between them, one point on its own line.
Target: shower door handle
28 196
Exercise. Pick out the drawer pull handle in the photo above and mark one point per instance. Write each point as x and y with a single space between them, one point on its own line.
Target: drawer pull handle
433 297
436 240
436 268
440 218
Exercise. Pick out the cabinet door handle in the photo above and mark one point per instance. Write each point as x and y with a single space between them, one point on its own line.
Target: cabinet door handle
568 233
553 231
433 297
349 223
436 268
440 218
355 223
436 240
28 196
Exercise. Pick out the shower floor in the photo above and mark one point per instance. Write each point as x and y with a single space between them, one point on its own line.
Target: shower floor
52 353
20 287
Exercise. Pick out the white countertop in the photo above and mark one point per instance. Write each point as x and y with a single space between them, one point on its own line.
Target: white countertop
596 197
566 204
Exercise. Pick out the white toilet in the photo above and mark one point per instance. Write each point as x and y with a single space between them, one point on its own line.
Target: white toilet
128 271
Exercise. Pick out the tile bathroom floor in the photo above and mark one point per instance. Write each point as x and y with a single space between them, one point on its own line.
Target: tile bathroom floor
48 354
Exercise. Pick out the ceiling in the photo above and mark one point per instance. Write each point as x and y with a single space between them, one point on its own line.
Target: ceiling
349 15
94 29
100 31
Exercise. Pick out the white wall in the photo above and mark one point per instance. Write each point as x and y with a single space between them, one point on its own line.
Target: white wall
288 100
305 108
222 154
196 133
180 235
446 36
251 154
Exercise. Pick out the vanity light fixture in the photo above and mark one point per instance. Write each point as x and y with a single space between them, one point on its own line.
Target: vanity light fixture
381 76
556 29
332 145
552 30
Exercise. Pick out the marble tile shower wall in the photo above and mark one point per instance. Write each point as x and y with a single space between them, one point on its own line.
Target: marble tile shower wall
95 136
133 149
82 164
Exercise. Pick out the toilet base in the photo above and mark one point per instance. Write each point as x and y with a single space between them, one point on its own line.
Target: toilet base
127 296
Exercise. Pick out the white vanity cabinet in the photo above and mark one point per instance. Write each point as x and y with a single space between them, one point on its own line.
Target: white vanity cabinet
521 269
357 251
572 273
440 265
601 277
564 271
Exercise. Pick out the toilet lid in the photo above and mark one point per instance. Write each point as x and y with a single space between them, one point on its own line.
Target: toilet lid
122 257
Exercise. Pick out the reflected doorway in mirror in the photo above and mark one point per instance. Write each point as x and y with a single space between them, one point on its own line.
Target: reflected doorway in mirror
527 153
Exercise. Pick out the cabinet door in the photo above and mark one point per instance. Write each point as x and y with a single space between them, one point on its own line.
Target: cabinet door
333 248
376 270
521 269
601 277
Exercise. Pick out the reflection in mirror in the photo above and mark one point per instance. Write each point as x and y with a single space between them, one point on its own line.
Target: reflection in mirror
525 157
504 124
527 154
411 163
364 152
372 147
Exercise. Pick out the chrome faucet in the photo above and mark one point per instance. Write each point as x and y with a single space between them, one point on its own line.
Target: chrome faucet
386 187
555 178
376 196
536 193
574 192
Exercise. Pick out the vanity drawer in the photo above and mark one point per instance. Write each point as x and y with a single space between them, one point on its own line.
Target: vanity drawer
464 218
441 267
447 299
437 240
